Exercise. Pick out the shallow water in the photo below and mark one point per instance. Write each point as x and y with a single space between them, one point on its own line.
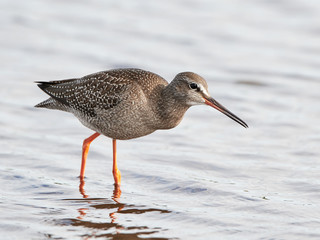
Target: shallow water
209 178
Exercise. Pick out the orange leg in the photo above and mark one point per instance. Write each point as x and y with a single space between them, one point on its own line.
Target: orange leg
115 170
85 150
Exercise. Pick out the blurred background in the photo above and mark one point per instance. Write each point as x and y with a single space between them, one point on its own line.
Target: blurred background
209 177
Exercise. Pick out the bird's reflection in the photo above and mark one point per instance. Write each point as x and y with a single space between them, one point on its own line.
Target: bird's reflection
89 216
116 191
115 197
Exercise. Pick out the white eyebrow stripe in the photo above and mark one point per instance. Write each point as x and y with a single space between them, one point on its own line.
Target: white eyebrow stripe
202 89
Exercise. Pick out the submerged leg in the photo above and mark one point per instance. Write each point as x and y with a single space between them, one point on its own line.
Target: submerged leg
85 150
115 170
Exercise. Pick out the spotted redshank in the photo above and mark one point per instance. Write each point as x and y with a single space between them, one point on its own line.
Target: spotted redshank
128 103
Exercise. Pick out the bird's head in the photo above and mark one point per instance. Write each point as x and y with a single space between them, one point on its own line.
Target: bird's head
191 89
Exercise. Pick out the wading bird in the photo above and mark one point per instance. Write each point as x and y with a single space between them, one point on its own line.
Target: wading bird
128 103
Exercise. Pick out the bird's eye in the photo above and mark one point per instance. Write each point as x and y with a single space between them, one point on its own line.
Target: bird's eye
193 85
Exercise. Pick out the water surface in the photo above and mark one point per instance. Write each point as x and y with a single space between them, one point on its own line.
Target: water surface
209 178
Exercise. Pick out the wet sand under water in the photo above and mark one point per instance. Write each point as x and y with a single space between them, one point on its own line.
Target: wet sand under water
209 178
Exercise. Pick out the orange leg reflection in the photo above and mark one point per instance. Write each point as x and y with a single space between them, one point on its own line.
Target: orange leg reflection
82 212
115 197
116 191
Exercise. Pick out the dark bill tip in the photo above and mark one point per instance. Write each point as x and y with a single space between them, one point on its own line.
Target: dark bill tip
213 103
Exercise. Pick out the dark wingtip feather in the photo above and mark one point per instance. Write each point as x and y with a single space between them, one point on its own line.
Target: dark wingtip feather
47 88
49 103
43 85
39 105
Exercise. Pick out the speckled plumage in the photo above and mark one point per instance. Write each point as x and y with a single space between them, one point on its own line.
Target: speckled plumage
120 104
129 103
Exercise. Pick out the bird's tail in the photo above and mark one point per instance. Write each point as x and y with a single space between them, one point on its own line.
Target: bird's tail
53 102
49 103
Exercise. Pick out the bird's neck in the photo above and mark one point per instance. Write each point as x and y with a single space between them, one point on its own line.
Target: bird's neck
170 109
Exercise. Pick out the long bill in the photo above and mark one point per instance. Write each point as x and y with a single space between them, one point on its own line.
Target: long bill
213 103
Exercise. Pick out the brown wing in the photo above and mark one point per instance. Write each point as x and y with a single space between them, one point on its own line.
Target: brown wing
99 90
102 90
